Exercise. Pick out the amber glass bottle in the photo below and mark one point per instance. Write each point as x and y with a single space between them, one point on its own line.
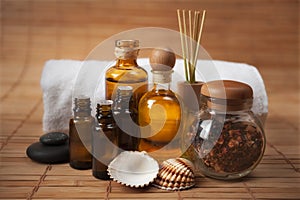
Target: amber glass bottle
80 132
127 129
159 110
126 71
103 153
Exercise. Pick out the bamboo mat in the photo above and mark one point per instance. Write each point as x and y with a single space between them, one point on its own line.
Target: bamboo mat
264 33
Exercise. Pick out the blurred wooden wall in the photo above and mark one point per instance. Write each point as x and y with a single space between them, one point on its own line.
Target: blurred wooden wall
264 33
260 32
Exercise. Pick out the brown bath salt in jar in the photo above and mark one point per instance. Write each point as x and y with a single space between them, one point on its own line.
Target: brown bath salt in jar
229 141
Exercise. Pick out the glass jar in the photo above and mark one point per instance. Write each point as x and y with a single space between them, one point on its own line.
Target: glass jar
229 140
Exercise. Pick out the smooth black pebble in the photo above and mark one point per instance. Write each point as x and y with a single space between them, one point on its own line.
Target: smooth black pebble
54 138
48 154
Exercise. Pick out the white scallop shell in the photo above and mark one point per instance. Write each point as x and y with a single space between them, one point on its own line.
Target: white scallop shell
133 168
175 174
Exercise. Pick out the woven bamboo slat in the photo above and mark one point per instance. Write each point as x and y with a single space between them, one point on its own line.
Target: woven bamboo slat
263 33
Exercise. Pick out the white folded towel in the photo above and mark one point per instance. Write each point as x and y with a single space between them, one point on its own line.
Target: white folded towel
62 79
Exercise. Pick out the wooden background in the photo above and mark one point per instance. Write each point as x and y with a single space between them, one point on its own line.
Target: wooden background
263 33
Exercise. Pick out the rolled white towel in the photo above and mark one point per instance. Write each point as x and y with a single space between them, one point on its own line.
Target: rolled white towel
60 77
57 81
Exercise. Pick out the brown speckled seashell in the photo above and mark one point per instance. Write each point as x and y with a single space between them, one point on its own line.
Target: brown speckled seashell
175 174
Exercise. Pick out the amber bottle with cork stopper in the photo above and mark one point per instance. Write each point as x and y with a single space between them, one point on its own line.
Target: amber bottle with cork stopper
126 71
159 109
230 141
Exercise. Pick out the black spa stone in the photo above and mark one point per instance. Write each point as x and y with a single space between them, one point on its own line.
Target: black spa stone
54 138
48 154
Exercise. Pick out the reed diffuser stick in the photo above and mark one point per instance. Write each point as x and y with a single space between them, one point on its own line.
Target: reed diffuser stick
182 44
186 44
199 38
191 35
190 38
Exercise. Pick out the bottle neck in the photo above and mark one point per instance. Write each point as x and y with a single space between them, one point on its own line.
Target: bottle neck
122 101
81 114
126 63
103 110
161 86
126 52
162 79
82 107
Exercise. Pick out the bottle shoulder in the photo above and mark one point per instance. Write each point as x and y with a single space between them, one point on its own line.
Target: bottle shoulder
165 99
162 95
126 69
85 119
134 73
240 118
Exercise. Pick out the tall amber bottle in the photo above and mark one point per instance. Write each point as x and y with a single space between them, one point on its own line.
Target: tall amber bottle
126 71
103 153
80 133
127 129
159 110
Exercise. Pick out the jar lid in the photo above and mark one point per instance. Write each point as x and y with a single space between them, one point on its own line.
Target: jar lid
227 95
227 89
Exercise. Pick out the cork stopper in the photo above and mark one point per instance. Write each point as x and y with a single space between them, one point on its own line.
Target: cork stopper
162 76
162 59
126 49
227 94
127 44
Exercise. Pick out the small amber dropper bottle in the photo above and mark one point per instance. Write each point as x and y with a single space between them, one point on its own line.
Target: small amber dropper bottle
80 133
127 129
102 151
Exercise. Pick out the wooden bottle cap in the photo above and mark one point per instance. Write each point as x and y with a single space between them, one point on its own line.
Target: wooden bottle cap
227 89
226 95
162 59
